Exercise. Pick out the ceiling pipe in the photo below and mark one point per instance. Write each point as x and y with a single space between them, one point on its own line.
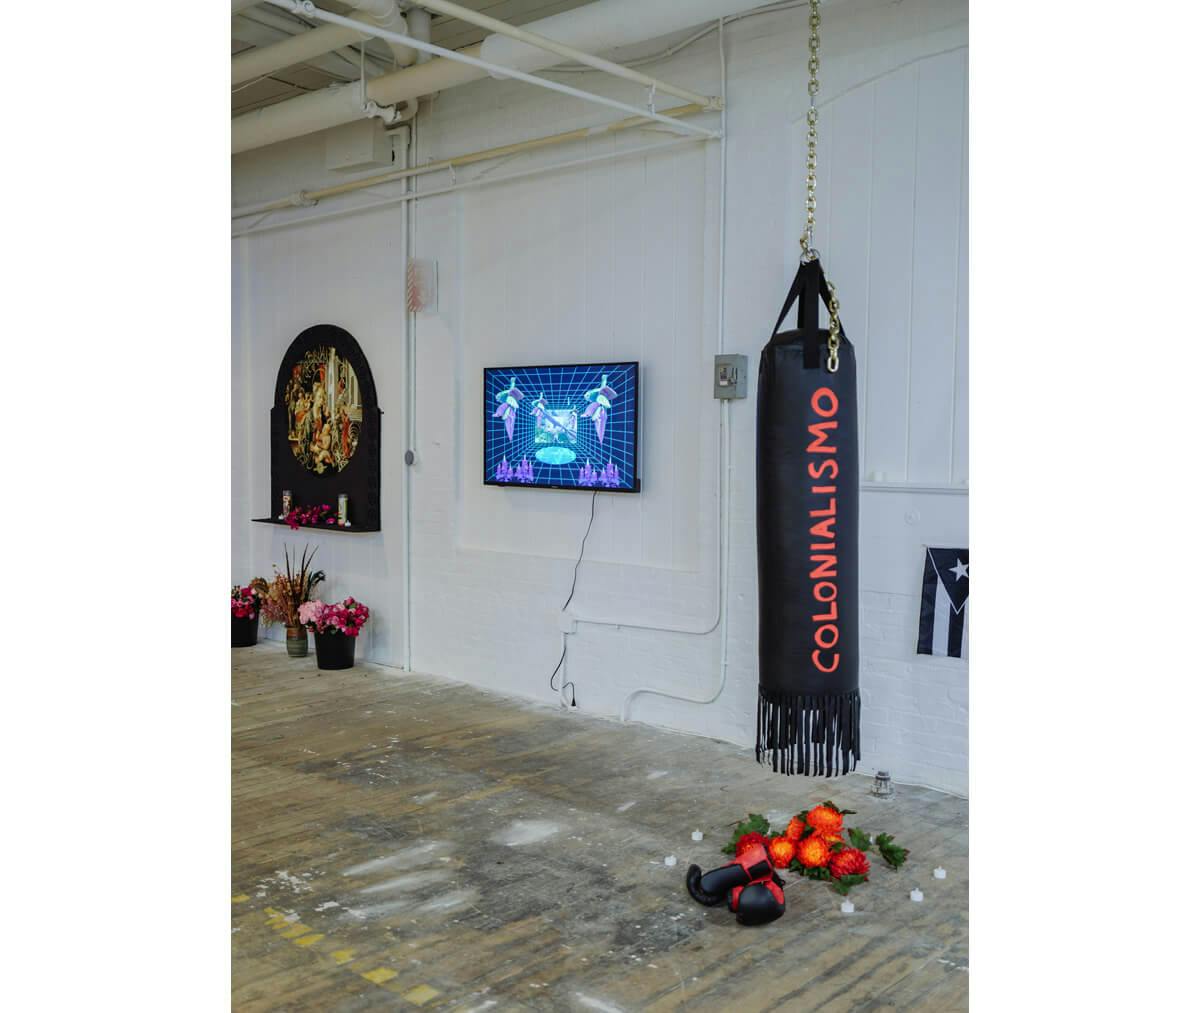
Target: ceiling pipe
314 42
266 25
457 56
386 14
607 24
420 26
617 23
307 198
544 44
302 48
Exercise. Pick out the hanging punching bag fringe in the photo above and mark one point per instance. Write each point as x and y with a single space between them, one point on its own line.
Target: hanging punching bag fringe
807 476
806 734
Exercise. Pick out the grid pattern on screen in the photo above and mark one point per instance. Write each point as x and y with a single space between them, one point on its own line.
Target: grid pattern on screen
564 388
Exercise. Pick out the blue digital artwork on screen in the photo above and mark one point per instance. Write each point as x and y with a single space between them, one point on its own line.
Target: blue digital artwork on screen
563 427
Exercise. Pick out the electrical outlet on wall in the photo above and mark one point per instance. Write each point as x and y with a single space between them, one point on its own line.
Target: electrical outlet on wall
729 376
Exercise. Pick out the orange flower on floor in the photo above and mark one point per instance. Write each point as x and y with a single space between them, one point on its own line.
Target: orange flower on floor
849 862
782 850
747 841
825 820
832 839
795 828
812 852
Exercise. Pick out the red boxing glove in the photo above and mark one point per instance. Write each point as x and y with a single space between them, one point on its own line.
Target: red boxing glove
749 884
757 903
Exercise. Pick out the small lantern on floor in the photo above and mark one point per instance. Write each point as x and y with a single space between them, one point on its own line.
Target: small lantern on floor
882 788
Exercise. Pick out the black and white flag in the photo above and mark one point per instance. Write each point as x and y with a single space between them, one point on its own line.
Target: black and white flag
944 590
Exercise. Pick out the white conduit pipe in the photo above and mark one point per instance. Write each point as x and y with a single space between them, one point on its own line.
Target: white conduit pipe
420 26
570 52
307 198
471 184
386 15
316 42
270 17
605 25
333 106
407 155
306 7
263 60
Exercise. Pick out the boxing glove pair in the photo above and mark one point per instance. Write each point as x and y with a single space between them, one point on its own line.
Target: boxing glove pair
749 884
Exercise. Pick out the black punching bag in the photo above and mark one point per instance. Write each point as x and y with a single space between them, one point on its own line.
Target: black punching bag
808 704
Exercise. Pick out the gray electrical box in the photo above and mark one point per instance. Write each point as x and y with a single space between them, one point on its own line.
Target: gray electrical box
729 376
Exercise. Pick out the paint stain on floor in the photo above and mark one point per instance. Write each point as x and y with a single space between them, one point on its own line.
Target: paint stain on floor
521 832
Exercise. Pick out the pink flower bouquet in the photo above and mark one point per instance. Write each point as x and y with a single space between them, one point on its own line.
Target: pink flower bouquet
346 617
244 602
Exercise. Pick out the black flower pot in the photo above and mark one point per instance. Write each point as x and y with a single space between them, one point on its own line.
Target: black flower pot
244 631
334 650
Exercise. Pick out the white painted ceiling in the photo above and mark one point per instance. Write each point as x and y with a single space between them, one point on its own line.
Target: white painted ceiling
265 24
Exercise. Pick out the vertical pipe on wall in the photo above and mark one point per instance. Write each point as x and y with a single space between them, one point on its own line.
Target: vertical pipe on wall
409 387
724 462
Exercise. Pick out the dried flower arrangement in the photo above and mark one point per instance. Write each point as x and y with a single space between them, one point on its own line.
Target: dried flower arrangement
283 596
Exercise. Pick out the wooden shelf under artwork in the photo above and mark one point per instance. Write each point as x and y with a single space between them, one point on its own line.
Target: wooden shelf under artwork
352 530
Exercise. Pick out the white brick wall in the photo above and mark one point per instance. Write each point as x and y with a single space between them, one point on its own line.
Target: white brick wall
620 258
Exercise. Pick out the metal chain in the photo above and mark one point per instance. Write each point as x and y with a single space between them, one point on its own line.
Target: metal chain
814 85
835 329
808 251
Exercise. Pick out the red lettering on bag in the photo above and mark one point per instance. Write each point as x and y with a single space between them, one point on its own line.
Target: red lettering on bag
822 629
827 568
818 468
829 396
823 538
816 658
819 433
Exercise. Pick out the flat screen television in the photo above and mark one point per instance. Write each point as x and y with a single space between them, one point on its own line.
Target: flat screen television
562 427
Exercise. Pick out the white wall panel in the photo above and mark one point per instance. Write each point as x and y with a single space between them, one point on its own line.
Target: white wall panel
885 373
941 91
893 210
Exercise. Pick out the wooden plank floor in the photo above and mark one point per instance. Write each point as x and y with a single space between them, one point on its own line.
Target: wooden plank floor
404 842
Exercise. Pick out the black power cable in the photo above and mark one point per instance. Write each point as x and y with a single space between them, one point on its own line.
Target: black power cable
574 579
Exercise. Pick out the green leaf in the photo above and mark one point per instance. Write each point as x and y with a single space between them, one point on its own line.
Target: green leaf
853 879
893 854
841 812
858 839
841 886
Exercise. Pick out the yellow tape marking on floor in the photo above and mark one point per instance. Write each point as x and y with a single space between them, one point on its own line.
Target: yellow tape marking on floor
240 898
420 995
292 931
309 939
379 975
343 956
